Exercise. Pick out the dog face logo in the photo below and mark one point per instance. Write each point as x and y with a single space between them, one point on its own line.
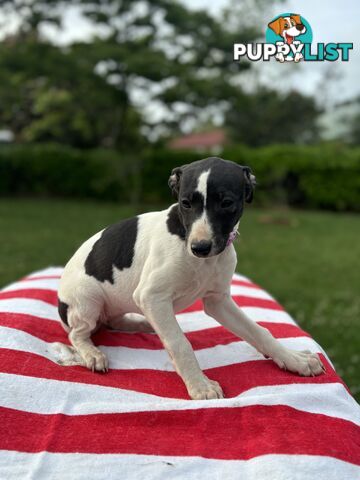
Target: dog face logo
289 30
288 27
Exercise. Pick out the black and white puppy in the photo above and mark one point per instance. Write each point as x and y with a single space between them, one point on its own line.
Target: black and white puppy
136 274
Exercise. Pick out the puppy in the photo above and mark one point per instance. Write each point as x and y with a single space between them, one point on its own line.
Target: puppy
288 28
136 274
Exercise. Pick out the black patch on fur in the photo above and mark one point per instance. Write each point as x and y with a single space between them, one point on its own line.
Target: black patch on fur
63 311
115 247
174 223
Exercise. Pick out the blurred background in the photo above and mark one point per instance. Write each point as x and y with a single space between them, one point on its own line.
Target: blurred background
100 99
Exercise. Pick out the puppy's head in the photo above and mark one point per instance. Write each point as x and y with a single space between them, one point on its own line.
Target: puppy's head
211 195
288 27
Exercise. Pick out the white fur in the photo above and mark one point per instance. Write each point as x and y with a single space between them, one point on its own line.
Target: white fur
201 228
202 184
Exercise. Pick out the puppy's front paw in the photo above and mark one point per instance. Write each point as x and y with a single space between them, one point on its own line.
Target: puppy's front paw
205 389
95 360
304 363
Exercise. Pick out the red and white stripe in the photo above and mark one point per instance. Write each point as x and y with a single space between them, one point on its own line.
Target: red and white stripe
137 420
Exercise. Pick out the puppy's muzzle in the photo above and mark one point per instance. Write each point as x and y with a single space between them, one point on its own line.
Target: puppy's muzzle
202 248
300 27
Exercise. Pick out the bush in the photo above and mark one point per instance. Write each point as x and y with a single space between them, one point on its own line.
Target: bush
55 170
156 170
322 176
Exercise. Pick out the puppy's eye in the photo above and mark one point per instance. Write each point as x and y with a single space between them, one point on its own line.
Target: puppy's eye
185 203
227 203
286 25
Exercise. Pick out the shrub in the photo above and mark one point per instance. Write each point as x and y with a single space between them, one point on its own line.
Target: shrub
55 170
321 176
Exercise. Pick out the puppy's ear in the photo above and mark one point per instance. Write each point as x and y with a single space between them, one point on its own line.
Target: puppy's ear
250 182
276 25
296 17
174 180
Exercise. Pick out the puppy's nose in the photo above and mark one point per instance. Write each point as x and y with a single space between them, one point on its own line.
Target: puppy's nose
300 27
201 249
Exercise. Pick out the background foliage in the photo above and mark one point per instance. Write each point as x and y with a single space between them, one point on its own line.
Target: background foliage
154 53
319 176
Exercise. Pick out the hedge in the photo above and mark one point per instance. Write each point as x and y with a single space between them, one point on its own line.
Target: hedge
55 170
322 176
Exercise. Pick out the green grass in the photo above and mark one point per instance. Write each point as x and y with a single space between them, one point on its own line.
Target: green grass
308 260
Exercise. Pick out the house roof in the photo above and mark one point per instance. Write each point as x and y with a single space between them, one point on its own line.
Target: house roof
199 140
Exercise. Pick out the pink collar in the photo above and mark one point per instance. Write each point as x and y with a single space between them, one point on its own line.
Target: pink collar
232 237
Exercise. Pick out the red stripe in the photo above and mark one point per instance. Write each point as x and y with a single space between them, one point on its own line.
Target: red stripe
197 306
245 283
50 296
207 338
242 301
226 433
234 379
51 331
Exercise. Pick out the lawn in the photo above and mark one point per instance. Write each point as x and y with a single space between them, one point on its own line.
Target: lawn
308 260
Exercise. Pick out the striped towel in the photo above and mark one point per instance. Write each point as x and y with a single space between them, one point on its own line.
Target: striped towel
137 422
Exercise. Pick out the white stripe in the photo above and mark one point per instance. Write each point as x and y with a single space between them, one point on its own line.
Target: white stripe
250 292
46 272
44 396
85 466
30 307
268 315
243 278
42 284
139 358
195 321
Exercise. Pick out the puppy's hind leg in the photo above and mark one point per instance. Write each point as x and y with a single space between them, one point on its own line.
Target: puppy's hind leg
83 322
130 322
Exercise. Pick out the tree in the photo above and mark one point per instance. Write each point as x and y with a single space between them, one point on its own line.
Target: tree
175 58
152 56
32 13
266 116
351 120
47 94
150 52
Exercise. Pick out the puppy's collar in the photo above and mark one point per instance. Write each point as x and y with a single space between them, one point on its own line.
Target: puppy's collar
232 236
